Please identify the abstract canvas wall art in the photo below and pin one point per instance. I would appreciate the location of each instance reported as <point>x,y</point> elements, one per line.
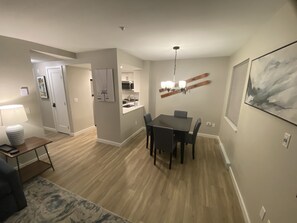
<point>42,87</point>
<point>272,84</point>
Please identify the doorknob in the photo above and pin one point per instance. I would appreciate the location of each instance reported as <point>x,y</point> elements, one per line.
<point>54,104</point>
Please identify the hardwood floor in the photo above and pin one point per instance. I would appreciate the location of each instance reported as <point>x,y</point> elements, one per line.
<point>125,181</point>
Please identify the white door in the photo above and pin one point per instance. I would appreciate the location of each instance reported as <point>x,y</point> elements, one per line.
<point>58,99</point>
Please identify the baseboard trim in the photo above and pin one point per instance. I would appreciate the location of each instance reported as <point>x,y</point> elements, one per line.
<point>108,142</point>
<point>82,131</point>
<point>223,151</point>
<point>117,144</point>
<point>207,135</point>
<point>132,136</point>
<point>241,201</point>
<point>49,129</point>
<point>235,185</point>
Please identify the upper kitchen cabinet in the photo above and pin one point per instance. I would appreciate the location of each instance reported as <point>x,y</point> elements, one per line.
<point>103,85</point>
<point>127,76</point>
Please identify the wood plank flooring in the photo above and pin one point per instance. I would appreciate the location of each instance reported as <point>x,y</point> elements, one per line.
<point>125,181</point>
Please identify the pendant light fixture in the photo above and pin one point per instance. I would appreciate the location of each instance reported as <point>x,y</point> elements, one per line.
<point>171,85</point>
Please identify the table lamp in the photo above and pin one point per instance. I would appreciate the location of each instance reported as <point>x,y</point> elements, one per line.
<point>11,116</point>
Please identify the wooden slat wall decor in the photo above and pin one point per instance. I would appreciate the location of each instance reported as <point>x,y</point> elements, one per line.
<point>198,77</point>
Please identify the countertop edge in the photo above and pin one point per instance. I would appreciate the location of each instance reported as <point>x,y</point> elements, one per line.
<point>127,110</point>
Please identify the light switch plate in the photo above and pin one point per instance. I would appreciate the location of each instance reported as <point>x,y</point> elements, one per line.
<point>286,140</point>
<point>24,91</point>
<point>262,213</point>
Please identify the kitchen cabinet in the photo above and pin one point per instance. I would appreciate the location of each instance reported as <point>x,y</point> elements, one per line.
<point>104,85</point>
<point>127,76</point>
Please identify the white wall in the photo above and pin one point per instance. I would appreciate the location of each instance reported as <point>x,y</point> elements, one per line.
<point>16,72</point>
<point>265,171</point>
<point>145,85</point>
<point>44,103</point>
<point>205,102</point>
<point>111,126</point>
<point>80,97</point>
<point>106,115</point>
<point>131,122</point>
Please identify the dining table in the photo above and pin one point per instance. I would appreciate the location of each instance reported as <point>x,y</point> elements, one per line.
<point>180,126</point>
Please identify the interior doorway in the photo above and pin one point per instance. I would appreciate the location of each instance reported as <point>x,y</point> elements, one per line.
<point>69,107</point>
<point>80,96</point>
<point>58,99</point>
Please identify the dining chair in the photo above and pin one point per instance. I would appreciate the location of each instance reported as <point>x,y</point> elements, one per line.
<point>147,119</point>
<point>191,138</point>
<point>180,114</point>
<point>164,140</point>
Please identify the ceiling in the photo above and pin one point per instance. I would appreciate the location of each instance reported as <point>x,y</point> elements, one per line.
<point>202,28</point>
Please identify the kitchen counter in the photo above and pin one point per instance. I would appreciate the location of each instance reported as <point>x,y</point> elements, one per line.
<point>126,110</point>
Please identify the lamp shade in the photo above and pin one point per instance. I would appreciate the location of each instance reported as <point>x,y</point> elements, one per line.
<point>182,84</point>
<point>170,84</point>
<point>12,115</point>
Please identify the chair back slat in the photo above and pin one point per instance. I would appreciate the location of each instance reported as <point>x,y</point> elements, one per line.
<point>147,119</point>
<point>180,114</point>
<point>196,129</point>
<point>163,138</point>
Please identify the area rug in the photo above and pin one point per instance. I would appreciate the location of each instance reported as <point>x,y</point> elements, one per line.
<point>47,202</point>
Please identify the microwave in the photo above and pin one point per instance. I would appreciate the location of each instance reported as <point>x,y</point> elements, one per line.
<point>127,85</point>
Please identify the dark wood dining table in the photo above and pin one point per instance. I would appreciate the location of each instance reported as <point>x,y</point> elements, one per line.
<point>180,126</point>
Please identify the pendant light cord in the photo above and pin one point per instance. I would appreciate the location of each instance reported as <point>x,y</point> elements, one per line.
<point>174,69</point>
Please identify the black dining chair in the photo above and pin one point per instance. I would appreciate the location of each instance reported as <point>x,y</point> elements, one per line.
<point>147,119</point>
<point>180,114</point>
<point>191,138</point>
<point>164,140</point>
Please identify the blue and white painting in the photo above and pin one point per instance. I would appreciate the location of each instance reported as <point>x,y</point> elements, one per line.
<point>272,85</point>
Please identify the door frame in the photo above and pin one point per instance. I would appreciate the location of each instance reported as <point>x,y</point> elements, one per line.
<point>51,93</point>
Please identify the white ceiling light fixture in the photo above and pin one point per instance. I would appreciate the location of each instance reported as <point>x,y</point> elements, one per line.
<point>171,85</point>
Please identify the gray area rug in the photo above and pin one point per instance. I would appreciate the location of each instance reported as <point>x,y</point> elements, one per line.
<point>47,202</point>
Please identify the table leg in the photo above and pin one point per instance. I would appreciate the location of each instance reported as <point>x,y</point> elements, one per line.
<point>183,139</point>
<point>175,152</point>
<point>19,170</point>
<point>36,154</point>
<point>182,153</point>
<point>49,158</point>
<point>152,142</point>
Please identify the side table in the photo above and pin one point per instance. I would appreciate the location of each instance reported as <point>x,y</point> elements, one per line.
<point>33,169</point>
